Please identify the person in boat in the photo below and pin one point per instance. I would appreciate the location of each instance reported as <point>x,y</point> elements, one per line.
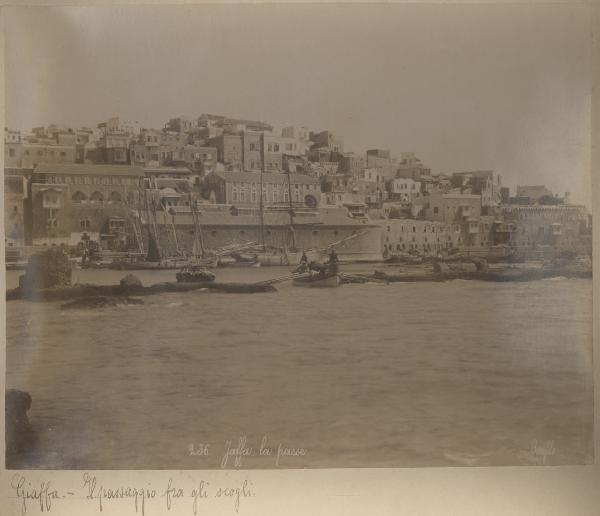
<point>319,268</point>
<point>303,265</point>
<point>333,262</point>
<point>303,258</point>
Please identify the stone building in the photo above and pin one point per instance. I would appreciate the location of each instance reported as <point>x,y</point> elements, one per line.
<point>68,201</point>
<point>424,237</point>
<point>410,166</point>
<point>243,188</point>
<point>252,151</point>
<point>15,192</point>
<point>559,226</point>
<point>229,149</point>
<point>404,189</point>
<point>380,159</point>
<point>352,164</point>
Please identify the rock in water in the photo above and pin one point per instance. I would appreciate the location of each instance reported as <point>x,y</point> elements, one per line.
<point>130,281</point>
<point>17,427</point>
<point>51,268</point>
<point>100,302</point>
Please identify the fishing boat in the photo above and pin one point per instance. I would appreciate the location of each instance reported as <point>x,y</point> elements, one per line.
<point>317,280</point>
<point>194,274</point>
<point>238,260</point>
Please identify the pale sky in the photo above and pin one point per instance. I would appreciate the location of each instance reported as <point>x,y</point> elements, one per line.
<point>503,87</point>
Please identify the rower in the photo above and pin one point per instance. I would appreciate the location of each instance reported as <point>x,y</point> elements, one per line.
<point>333,262</point>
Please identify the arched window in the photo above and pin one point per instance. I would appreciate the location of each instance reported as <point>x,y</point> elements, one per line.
<point>78,197</point>
<point>114,197</point>
<point>96,196</point>
<point>310,201</point>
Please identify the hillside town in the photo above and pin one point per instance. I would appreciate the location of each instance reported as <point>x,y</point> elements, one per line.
<point>111,183</point>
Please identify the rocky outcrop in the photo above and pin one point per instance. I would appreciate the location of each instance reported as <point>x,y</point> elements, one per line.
<point>100,302</point>
<point>19,434</point>
<point>130,281</point>
<point>48,269</point>
<point>84,291</point>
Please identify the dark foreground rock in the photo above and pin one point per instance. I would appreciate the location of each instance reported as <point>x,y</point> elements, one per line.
<point>100,302</point>
<point>130,281</point>
<point>19,434</point>
<point>51,268</point>
<point>82,291</point>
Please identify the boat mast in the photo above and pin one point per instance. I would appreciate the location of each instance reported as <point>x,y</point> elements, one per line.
<point>198,241</point>
<point>291,211</point>
<point>151,209</point>
<point>261,206</point>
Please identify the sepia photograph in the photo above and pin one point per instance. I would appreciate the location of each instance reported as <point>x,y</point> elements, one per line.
<point>298,236</point>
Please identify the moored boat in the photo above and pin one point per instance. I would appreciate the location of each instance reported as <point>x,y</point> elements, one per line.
<point>318,280</point>
<point>194,274</point>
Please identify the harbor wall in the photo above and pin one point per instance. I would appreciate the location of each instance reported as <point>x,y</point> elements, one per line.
<point>365,246</point>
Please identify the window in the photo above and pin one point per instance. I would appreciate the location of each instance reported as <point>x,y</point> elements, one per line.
<point>78,197</point>
<point>63,154</point>
<point>84,223</point>
<point>11,152</point>
<point>435,210</point>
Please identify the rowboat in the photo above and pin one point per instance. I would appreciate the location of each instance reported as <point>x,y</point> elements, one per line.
<point>194,274</point>
<point>317,280</point>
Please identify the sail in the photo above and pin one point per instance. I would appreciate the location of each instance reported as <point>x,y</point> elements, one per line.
<point>153,251</point>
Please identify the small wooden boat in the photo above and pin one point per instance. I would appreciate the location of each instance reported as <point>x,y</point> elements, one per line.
<point>229,261</point>
<point>194,274</point>
<point>317,280</point>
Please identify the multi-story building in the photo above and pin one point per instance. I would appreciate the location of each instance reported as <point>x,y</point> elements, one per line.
<point>233,125</point>
<point>480,182</point>
<point>15,193</point>
<point>25,152</point>
<point>243,188</point>
<point>410,166</point>
<point>298,133</point>
<point>229,149</point>
<point>181,124</point>
<point>461,211</point>
<point>422,236</point>
<point>327,140</point>
<point>532,194</point>
<point>68,201</point>
<point>404,189</point>
<point>202,160</point>
<point>279,148</point>
<point>252,151</point>
<point>559,226</point>
<point>112,145</point>
<point>352,164</point>
<point>380,159</point>
<point>116,125</point>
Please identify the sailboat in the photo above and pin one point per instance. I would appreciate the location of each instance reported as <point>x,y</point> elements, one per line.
<point>196,272</point>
